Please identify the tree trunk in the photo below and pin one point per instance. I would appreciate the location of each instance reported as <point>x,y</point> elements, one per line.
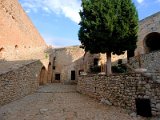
<point>108,63</point>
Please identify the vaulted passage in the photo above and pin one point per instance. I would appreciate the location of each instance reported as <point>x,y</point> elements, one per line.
<point>152,42</point>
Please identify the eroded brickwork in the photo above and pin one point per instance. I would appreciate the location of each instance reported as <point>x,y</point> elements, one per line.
<point>17,33</point>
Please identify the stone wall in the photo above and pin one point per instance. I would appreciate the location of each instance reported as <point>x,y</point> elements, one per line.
<point>17,33</point>
<point>19,82</point>
<point>121,90</point>
<point>74,58</point>
<point>150,61</point>
<point>66,60</point>
<point>146,26</point>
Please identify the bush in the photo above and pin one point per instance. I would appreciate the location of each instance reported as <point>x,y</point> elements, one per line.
<point>120,68</point>
<point>95,69</point>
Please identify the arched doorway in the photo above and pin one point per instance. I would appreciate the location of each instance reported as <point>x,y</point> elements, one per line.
<point>152,42</point>
<point>1,52</point>
<point>42,76</point>
<point>49,73</point>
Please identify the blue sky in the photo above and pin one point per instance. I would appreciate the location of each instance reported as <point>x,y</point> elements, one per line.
<point>57,20</point>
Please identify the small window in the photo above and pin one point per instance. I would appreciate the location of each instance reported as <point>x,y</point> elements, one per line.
<point>96,61</point>
<point>57,76</point>
<point>73,75</point>
<point>54,67</point>
<point>1,49</point>
<point>16,46</point>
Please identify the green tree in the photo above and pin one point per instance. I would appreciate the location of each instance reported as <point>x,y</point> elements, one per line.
<point>108,26</point>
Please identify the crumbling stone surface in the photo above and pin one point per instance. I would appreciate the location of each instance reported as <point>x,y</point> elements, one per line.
<point>150,61</point>
<point>19,82</point>
<point>146,26</point>
<point>18,35</point>
<point>121,90</point>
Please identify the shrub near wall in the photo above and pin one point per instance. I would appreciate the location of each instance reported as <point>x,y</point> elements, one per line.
<point>19,82</point>
<point>121,90</point>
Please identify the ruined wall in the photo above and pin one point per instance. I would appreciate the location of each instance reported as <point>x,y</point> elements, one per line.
<point>150,61</point>
<point>19,78</point>
<point>19,82</point>
<point>75,59</point>
<point>148,25</point>
<point>66,60</point>
<point>17,33</point>
<point>122,90</point>
<point>25,61</point>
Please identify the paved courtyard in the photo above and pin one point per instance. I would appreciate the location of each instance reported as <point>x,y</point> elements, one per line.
<point>61,102</point>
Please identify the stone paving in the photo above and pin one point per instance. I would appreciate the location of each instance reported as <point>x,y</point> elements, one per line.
<point>61,102</point>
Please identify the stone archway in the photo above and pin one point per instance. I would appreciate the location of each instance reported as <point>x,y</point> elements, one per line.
<point>49,73</point>
<point>152,42</point>
<point>42,76</point>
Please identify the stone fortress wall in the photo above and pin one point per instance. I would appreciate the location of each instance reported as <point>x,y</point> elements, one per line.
<point>18,36</point>
<point>148,45</point>
<point>149,30</point>
<point>24,56</point>
<point>26,63</point>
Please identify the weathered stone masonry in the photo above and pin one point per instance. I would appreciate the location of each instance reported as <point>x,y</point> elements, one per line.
<point>18,36</point>
<point>150,61</point>
<point>148,26</point>
<point>19,82</point>
<point>122,90</point>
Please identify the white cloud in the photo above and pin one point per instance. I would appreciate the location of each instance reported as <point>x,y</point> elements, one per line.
<point>59,41</point>
<point>140,1</point>
<point>68,8</point>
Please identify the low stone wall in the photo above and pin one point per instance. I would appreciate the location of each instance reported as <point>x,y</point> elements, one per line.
<point>150,61</point>
<point>121,90</point>
<point>19,82</point>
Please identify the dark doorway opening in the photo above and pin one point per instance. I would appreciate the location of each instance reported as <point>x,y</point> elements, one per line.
<point>73,75</point>
<point>42,76</point>
<point>57,77</point>
<point>130,53</point>
<point>143,107</point>
<point>49,73</point>
<point>96,61</point>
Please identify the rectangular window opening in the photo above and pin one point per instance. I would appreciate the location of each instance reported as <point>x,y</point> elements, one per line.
<point>57,76</point>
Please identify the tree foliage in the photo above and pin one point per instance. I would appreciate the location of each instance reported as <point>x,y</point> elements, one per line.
<point>108,26</point>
